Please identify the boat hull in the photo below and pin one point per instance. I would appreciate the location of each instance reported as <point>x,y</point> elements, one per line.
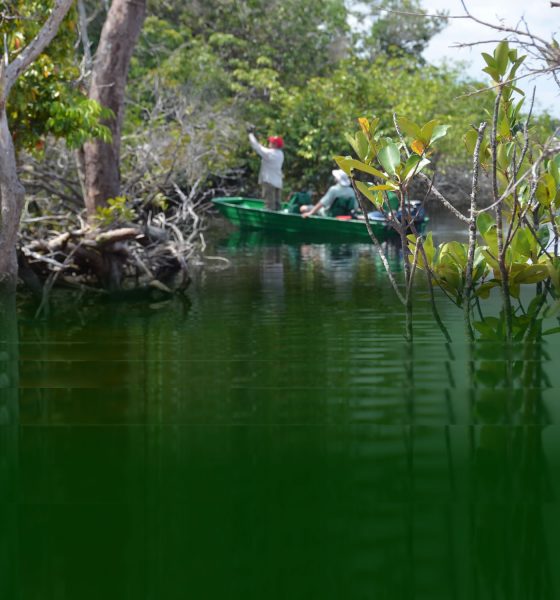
<point>249,213</point>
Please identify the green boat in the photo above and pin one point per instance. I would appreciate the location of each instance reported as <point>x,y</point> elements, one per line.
<point>250,213</point>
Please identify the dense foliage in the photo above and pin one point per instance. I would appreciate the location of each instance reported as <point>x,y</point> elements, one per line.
<point>290,68</point>
<point>204,72</point>
<point>513,243</point>
<point>48,99</point>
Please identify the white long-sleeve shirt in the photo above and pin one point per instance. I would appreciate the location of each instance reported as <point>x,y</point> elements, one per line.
<point>271,163</point>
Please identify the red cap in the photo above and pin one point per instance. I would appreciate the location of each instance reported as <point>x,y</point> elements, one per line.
<point>276,141</point>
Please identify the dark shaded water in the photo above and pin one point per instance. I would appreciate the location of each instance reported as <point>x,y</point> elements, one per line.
<point>275,437</point>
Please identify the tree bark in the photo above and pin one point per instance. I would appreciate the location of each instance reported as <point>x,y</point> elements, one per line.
<point>12,196</point>
<point>12,193</point>
<point>110,69</point>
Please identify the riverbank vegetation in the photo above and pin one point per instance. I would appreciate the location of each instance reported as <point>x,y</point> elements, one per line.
<point>121,146</point>
<point>512,243</point>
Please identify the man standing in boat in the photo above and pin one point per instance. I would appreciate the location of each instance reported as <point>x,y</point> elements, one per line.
<point>270,174</point>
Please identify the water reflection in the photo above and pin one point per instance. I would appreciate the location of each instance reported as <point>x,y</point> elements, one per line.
<point>279,439</point>
<point>9,444</point>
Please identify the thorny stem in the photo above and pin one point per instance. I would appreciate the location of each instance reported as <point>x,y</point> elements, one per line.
<point>412,270</point>
<point>513,222</point>
<point>402,234</point>
<point>429,275</point>
<point>472,224</point>
<point>554,229</point>
<point>442,199</point>
<point>499,221</point>
<point>526,135</point>
<point>473,211</point>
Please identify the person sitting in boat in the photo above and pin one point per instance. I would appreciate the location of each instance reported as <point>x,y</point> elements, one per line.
<point>299,199</point>
<point>340,199</point>
<point>270,174</point>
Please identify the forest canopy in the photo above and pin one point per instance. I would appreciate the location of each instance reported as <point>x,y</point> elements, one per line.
<point>306,70</point>
<point>196,77</point>
<point>203,71</point>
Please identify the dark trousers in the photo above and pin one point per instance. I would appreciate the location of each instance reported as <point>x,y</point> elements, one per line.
<point>272,196</point>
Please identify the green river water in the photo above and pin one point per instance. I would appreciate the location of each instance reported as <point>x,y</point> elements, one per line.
<point>275,436</point>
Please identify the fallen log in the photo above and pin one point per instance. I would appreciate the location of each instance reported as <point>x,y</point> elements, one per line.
<point>118,235</point>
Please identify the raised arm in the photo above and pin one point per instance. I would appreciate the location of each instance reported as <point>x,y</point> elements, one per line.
<point>260,150</point>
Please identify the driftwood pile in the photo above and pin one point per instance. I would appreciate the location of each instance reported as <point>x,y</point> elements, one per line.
<point>147,257</point>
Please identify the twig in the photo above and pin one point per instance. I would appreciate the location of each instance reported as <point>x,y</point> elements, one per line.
<point>433,190</point>
<point>377,244</point>
<point>52,280</point>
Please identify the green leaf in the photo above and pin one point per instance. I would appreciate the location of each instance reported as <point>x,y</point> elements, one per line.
<point>492,72</point>
<point>489,60</point>
<point>427,130</point>
<point>362,144</point>
<point>365,190</point>
<point>546,190</point>
<point>414,165</point>
<point>553,310</point>
<point>411,162</point>
<point>503,152</point>
<point>353,142</point>
<point>390,158</point>
<point>438,132</point>
<point>408,127</point>
<point>514,289</point>
<point>347,164</point>
<point>480,267</point>
<point>457,252</point>
<point>504,128</point>
<point>385,187</point>
<point>483,290</point>
<point>484,222</point>
<point>530,274</point>
<point>488,327</point>
<point>516,65</point>
<point>449,278</point>
<point>491,259</point>
<point>470,138</point>
<point>523,244</point>
<point>515,110</point>
<point>554,171</point>
<point>429,248</point>
<point>501,56</point>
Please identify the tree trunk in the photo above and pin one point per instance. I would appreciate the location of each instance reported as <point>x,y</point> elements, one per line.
<point>12,193</point>
<point>11,198</point>
<point>112,59</point>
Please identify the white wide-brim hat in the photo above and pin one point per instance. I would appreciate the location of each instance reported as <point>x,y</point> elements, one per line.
<point>341,177</point>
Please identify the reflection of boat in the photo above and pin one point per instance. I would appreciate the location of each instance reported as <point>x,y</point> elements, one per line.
<point>250,213</point>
